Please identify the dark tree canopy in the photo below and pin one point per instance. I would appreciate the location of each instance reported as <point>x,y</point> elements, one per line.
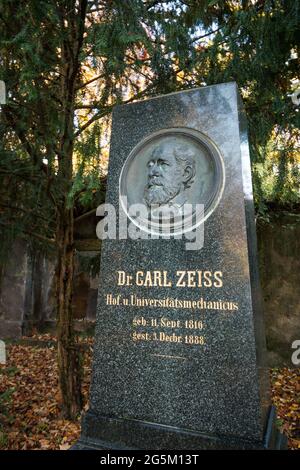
<point>132,49</point>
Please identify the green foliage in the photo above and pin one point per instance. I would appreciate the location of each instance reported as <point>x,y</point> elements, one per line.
<point>3,439</point>
<point>132,49</point>
<point>256,44</point>
<point>5,400</point>
<point>10,371</point>
<point>89,264</point>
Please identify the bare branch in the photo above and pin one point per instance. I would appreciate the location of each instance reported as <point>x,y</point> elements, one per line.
<point>207,34</point>
<point>97,116</point>
<point>89,81</point>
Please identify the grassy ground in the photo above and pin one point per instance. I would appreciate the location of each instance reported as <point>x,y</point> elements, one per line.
<point>30,401</point>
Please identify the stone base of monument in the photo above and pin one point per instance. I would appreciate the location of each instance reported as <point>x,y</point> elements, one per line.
<point>104,433</point>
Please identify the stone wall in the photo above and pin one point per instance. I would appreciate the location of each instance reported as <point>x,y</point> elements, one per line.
<point>26,292</point>
<point>13,292</point>
<point>279,259</point>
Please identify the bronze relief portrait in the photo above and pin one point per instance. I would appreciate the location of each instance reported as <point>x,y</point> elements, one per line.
<point>168,172</point>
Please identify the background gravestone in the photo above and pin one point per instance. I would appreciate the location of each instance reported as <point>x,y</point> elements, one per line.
<point>180,365</point>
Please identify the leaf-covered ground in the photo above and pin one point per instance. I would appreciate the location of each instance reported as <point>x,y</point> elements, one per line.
<point>30,415</point>
<point>30,400</point>
<point>285,388</point>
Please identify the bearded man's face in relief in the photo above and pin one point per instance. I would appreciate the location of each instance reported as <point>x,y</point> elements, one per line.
<point>165,177</point>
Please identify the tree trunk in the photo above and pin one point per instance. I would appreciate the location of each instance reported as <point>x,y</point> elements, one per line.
<point>69,364</point>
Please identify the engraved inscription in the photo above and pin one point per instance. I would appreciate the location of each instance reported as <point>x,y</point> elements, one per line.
<point>185,330</point>
<point>156,335</point>
<point>159,278</point>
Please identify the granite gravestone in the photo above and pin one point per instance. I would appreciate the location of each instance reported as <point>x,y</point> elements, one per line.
<point>179,347</point>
